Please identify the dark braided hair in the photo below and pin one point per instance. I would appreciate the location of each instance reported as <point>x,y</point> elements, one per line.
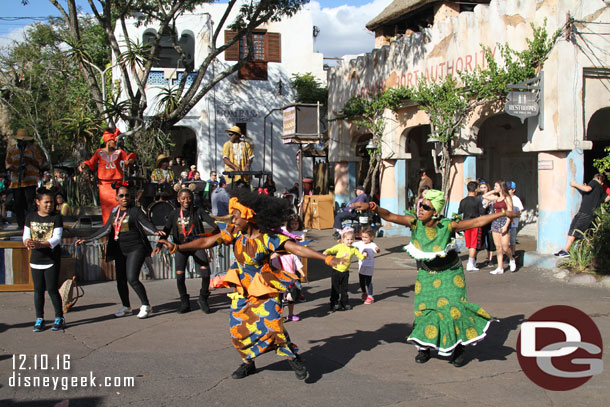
<point>271,212</point>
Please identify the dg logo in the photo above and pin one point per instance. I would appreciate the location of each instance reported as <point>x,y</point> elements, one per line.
<point>560,348</point>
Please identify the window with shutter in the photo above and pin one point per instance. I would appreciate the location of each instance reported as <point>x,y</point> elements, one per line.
<point>267,48</point>
<point>231,53</point>
<point>274,47</point>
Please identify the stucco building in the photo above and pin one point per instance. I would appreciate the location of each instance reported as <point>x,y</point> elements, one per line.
<point>282,48</point>
<point>440,38</point>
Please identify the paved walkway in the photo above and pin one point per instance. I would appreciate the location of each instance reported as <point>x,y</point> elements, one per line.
<point>355,358</point>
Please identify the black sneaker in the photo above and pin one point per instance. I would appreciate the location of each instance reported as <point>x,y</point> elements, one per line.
<point>299,368</point>
<point>334,307</point>
<point>458,358</point>
<point>422,356</point>
<point>562,254</point>
<point>245,369</point>
<point>346,307</point>
<point>59,323</point>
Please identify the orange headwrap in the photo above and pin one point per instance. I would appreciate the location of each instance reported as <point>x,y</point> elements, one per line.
<point>246,213</point>
<point>111,136</point>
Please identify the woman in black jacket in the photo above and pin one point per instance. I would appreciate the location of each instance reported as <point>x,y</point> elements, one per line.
<point>185,224</point>
<point>128,246</point>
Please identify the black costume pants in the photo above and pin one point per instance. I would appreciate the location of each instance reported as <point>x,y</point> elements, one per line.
<point>201,260</point>
<point>127,266</point>
<point>47,279</point>
<point>24,203</point>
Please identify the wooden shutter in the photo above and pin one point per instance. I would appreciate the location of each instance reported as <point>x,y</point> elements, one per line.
<point>231,53</point>
<point>254,71</point>
<point>274,47</point>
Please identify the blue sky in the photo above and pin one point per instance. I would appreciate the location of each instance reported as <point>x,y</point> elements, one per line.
<point>341,22</point>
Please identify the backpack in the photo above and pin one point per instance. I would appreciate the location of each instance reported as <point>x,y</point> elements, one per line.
<point>70,292</point>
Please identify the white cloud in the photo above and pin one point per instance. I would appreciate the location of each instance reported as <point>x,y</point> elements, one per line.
<point>12,36</point>
<point>342,28</point>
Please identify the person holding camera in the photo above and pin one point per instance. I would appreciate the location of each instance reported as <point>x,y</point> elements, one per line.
<point>23,161</point>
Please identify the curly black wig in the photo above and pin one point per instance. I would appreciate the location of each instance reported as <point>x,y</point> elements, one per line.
<point>270,212</point>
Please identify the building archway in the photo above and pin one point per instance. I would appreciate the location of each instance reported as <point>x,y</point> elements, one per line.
<point>599,133</point>
<point>420,149</point>
<point>501,137</point>
<point>185,144</point>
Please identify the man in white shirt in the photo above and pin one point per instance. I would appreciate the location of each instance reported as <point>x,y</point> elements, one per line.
<point>517,208</point>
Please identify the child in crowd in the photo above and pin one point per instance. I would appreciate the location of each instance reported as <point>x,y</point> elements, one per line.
<point>42,236</point>
<point>291,263</point>
<point>366,266</point>
<point>294,227</point>
<point>340,273</point>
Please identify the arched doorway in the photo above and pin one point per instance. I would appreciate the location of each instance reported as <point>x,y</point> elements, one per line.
<point>502,137</point>
<point>599,133</point>
<point>185,144</point>
<point>420,149</point>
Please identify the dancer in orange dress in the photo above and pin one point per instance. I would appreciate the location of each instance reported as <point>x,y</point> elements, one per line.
<point>108,160</point>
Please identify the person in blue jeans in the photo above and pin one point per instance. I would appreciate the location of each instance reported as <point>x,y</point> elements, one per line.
<point>348,212</point>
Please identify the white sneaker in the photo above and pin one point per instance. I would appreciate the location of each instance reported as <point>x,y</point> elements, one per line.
<point>145,311</point>
<point>497,271</point>
<point>513,265</point>
<point>471,267</point>
<point>123,312</point>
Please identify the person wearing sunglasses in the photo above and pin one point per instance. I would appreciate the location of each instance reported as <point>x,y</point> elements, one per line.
<point>444,320</point>
<point>128,246</point>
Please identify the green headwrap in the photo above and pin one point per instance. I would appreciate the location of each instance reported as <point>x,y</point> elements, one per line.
<point>436,198</point>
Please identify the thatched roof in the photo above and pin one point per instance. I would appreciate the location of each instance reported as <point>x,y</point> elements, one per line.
<point>396,9</point>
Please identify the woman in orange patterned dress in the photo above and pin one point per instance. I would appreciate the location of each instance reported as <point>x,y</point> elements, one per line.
<point>256,324</point>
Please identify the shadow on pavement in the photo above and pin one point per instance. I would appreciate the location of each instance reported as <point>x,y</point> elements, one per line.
<point>75,402</point>
<point>494,347</point>
<point>335,352</point>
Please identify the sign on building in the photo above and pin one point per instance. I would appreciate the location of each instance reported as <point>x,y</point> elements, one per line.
<point>522,105</point>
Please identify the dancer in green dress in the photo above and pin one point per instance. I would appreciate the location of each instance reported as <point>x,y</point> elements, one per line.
<point>444,319</point>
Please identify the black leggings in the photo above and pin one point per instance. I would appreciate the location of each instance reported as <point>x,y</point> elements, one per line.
<point>127,267</point>
<point>366,284</point>
<point>201,260</point>
<point>47,279</point>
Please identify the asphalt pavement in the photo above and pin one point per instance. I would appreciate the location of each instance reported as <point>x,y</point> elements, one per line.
<point>355,358</point>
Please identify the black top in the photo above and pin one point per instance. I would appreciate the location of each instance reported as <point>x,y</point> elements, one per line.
<point>193,225</point>
<point>41,229</point>
<point>592,199</point>
<point>471,207</point>
<point>134,228</point>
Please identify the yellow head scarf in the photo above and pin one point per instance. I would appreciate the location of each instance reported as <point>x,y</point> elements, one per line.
<point>246,213</point>
<point>436,198</point>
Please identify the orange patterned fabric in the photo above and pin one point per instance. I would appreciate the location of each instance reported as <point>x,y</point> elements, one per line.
<point>246,213</point>
<point>256,323</point>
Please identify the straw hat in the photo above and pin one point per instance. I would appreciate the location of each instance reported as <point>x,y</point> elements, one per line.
<point>22,134</point>
<point>234,129</point>
<point>161,157</point>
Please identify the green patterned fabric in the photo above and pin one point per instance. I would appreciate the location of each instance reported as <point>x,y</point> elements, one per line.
<point>443,316</point>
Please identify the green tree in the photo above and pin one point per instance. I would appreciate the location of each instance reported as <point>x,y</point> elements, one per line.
<point>42,90</point>
<point>309,89</point>
<point>135,61</point>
